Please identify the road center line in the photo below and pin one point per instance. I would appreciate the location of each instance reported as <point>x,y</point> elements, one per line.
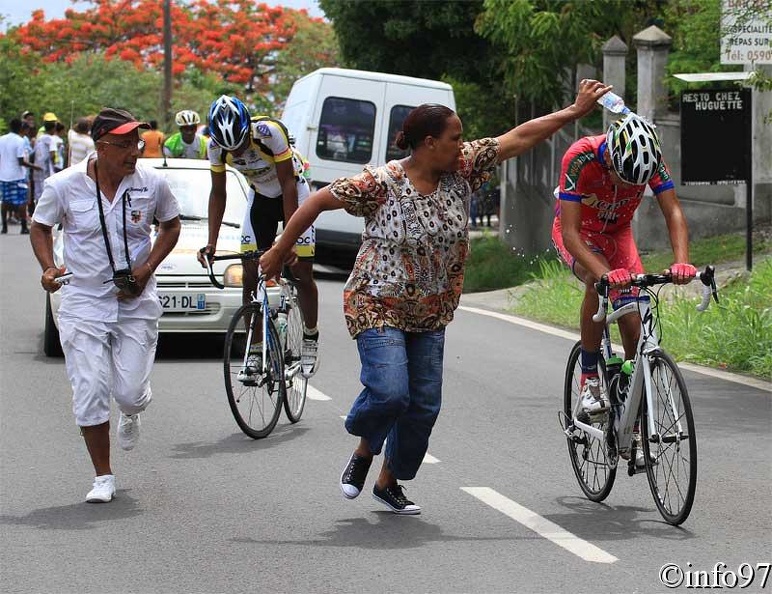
<point>314,394</point>
<point>542,526</point>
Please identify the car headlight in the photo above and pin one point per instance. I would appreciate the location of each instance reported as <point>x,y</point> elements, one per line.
<point>233,276</point>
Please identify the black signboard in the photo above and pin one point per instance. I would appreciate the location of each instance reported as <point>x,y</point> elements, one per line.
<point>716,136</point>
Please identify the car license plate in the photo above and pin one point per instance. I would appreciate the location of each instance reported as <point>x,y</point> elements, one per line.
<point>176,302</point>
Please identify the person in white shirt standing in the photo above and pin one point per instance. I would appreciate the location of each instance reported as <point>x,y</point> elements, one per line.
<point>81,144</point>
<point>13,177</point>
<point>108,319</point>
<point>45,155</point>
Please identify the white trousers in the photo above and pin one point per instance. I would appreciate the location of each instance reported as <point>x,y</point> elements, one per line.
<point>107,360</point>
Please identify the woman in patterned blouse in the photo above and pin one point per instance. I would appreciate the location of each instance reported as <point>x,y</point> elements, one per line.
<point>408,275</point>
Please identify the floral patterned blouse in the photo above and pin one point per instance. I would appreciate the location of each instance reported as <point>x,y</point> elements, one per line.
<point>409,271</point>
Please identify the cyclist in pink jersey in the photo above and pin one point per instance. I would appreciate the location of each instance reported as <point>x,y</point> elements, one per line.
<point>602,183</point>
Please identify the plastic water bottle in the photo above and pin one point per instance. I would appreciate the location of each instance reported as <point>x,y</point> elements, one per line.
<point>281,326</point>
<point>614,103</point>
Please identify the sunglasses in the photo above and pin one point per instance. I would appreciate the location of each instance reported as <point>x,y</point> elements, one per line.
<point>124,145</point>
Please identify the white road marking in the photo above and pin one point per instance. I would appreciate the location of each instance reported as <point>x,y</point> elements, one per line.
<point>542,526</point>
<point>717,373</point>
<point>314,394</point>
<point>429,459</point>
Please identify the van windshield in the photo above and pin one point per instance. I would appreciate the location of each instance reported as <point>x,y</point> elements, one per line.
<point>346,130</point>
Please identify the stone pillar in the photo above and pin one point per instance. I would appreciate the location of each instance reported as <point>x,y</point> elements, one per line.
<point>614,53</point>
<point>652,45</point>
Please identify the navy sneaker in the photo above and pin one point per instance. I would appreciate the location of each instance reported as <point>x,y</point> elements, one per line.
<point>353,478</point>
<point>393,498</point>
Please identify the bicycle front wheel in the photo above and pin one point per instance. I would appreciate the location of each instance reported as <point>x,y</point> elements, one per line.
<point>297,384</point>
<point>670,451</point>
<point>589,456</point>
<point>255,391</point>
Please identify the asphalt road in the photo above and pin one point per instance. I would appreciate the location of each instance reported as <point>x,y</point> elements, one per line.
<point>202,508</point>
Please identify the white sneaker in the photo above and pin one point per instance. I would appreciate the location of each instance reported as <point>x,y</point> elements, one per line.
<point>249,371</point>
<point>593,399</point>
<point>103,491</point>
<point>128,431</point>
<point>309,354</point>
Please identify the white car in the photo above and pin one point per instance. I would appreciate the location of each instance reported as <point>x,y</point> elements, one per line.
<point>190,302</point>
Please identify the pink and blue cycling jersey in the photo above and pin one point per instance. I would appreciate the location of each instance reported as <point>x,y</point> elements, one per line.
<point>584,178</point>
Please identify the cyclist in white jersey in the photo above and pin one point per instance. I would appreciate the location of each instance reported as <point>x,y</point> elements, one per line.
<point>259,148</point>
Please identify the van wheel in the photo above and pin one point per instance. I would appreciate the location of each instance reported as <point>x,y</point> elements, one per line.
<point>52,347</point>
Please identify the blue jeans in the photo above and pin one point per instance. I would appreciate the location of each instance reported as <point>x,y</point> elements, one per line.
<point>402,378</point>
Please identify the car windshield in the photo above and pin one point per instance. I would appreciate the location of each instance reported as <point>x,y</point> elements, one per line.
<point>191,188</point>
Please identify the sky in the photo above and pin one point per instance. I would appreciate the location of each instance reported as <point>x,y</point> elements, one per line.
<point>19,11</point>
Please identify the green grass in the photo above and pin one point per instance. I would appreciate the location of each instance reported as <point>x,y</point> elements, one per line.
<point>735,334</point>
<point>721,248</point>
<point>492,265</point>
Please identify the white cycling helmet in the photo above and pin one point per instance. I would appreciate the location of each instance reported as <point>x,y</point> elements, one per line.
<point>634,149</point>
<point>187,117</point>
<point>228,122</point>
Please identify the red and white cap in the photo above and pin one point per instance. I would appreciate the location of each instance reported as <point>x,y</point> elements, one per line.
<point>115,121</point>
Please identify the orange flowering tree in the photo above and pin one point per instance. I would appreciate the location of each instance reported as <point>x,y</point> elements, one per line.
<point>238,40</point>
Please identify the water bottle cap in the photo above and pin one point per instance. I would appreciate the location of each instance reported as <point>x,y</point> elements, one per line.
<point>614,360</point>
<point>627,367</point>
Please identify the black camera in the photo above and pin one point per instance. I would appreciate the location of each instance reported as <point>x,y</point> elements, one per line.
<point>124,280</point>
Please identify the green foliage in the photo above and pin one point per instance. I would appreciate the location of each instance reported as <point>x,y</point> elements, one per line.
<point>553,296</point>
<point>710,250</point>
<point>734,334</point>
<point>492,264</point>
<point>313,46</point>
<point>434,40</point>
<point>694,27</point>
<point>541,41</point>
<point>15,69</point>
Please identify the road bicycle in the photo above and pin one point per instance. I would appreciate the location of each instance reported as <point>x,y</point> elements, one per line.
<point>258,384</point>
<point>650,421</point>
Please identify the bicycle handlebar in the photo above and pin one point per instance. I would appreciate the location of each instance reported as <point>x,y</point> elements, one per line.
<point>707,278</point>
<point>253,255</point>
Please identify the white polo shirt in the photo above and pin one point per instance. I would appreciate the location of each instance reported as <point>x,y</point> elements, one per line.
<point>11,150</point>
<point>69,198</point>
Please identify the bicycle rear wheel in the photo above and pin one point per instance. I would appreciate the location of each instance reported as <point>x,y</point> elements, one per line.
<point>671,451</point>
<point>589,457</point>
<point>297,384</point>
<point>255,401</point>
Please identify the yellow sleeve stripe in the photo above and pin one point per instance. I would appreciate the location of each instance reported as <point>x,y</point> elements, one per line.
<point>283,156</point>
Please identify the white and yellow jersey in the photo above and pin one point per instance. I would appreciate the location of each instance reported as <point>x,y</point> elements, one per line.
<point>268,145</point>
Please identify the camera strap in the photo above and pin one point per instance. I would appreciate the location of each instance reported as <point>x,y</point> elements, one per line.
<point>104,226</point>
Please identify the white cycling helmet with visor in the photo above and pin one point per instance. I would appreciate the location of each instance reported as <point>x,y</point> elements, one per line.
<point>634,149</point>
<point>187,117</point>
<point>228,122</point>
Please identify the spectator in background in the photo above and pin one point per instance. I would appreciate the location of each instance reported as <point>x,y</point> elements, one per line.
<point>28,133</point>
<point>13,177</point>
<point>81,144</point>
<point>45,154</point>
<point>59,147</point>
<point>154,141</point>
<point>28,117</point>
<point>187,143</point>
<point>47,117</point>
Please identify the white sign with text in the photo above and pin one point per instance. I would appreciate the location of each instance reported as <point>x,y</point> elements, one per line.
<point>746,31</point>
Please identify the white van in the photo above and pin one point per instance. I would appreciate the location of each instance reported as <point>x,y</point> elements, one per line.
<point>344,119</point>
